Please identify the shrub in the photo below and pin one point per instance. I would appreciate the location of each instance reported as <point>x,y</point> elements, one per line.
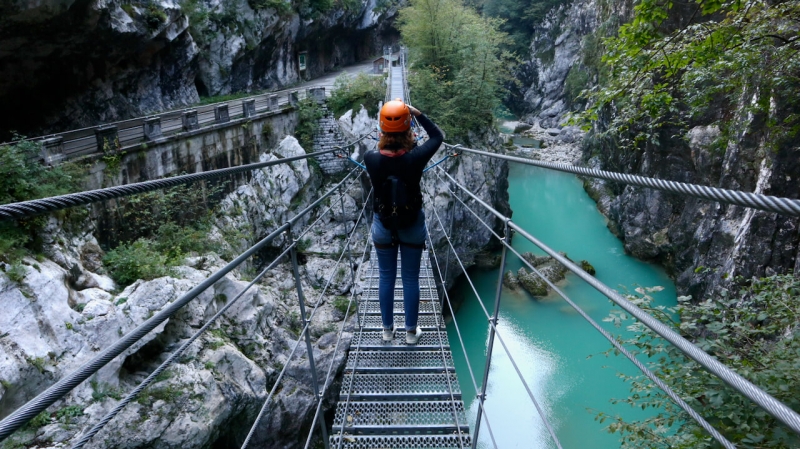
<point>154,17</point>
<point>138,260</point>
<point>753,332</point>
<point>308,114</point>
<point>22,178</point>
<point>352,92</point>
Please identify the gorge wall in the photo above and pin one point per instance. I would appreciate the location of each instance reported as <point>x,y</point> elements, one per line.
<point>66,64</point>
<point>703,245</point>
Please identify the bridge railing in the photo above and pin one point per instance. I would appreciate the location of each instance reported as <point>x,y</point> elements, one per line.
<point>133,134</point>
<point>786,206</point>
<point>63,386</point>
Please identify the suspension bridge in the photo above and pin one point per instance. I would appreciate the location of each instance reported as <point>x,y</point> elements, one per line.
<point>392,394</point>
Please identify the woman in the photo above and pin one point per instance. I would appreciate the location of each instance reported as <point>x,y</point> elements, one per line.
<point>396,171</point>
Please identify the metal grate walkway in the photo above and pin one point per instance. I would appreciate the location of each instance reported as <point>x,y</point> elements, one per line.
<point>397,87</point>
<point>395,395</point>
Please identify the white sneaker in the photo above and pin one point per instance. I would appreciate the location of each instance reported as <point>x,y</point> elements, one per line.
<point>413,337</point>
<point>388,334</point>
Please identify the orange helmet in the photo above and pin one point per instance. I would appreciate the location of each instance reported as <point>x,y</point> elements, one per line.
<point>395,117</point>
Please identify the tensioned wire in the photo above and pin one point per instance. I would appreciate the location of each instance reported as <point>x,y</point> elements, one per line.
<point>461,340</point>
<point>58,390</point>
<point>303,331</point>
<point>35,207</point>
<point>773,406</point>
<point>341,331</point>
<point>499,337</point>
<point>109,416</point>
<point>341,435</point>
<point>650,375</point>
<point>444,363</point>
<point>125,401</point>
<point>768,203</point>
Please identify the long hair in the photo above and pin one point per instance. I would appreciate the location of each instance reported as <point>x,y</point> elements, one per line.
<point>397,141</point>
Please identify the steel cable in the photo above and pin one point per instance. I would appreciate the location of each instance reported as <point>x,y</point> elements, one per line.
<point>299,340</point>
<point>125,401</point>
<point>773,406</point>
<point>55,392</point>
<point>500,338</point>
<point>341,436</point>
<point>650,375</point>
<point>35,207</point>
<point>174,356</point>
<point>341,331</point>
<point>768,203</point>
<point>461,341</point>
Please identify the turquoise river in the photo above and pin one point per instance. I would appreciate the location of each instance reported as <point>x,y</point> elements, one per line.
<point>559,353</point>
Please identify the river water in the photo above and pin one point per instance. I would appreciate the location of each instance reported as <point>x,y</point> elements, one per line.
<point>559,354</point>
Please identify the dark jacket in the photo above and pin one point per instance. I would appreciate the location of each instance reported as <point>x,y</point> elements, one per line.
<point>407,167</point>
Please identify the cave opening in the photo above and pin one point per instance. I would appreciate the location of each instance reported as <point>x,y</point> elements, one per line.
<point>202,90</point>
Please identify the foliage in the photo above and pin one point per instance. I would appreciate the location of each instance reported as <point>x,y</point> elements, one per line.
<point>198,15</point>
<point>308,114</point>
<point>341,303</point>
<point>154,17</point>
<point>680,64</point>
<point>458,64</point>
<point>22,178</point>
<point>754,332</point>
<point>280,6</point>
<point>65,414</point>
<point>352,92</point>
<point>137,260</point>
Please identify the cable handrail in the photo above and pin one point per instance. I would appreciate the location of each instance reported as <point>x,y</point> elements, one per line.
<point>773,406</point>
<point>647,372</point>
<point>499,337</point>
<point>325,385</point>
<point>165,365</point>
<point>32,408</point>
<point>29,208</point>
<point>481,399</point>
<point>767,203</point>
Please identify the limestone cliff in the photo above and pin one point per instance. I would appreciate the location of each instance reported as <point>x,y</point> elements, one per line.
<point>543,96</point>
<point>65,64</point>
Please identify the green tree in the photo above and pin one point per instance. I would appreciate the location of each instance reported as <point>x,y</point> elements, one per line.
<point>680,64</point>
<point>754,332</point>
<point>457,63</point>
<point>352,92</point>
<point>23,177</point>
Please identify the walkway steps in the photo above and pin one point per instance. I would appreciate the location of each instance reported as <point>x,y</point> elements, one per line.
<point>395,395</point>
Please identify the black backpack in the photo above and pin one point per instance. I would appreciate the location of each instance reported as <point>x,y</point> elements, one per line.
<point>396,209</point>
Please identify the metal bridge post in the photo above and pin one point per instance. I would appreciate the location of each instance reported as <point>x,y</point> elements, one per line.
<point>309,349</point>
<point>482,395</point>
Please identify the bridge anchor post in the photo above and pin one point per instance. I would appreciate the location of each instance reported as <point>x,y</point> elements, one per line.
<point>309,348</point>
<point>493,321</point>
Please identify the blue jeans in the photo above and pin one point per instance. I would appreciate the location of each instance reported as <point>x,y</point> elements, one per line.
<point>410,259</point>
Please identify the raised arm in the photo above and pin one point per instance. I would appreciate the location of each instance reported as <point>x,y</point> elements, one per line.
<point>435,136</point>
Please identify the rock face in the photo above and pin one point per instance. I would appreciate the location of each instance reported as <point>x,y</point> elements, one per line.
<point>703,244</point>
<point>556,50</point>
<point>65,64</point>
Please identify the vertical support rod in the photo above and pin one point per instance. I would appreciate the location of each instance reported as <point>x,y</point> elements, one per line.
<point>482,395</point>
<point>349,253</point>
<point>301,298</point>
<point>452,248</point>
